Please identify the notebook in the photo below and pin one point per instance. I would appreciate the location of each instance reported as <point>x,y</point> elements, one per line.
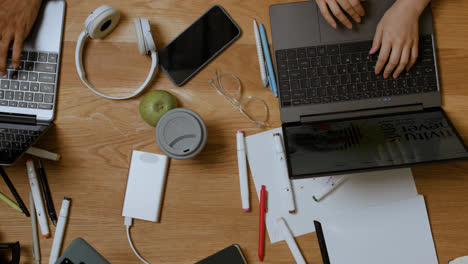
<point>397,232</point>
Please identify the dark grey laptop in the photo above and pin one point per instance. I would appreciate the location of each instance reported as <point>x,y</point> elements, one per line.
<point>28,93</point>
<point>338,116</point>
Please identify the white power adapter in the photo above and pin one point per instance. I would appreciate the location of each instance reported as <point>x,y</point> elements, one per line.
<point>145,188</point>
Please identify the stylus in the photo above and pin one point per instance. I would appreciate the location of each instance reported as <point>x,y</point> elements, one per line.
<point>261,59</point>
<point>62,220</point>
<point>290,241</point>
<point>243,178</point>
<point>47,195</point>
<point>285,182</point>
<point>329,188</point>
<point>37,197</point>
<point>269,64</point>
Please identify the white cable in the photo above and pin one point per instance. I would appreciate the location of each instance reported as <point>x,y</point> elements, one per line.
<point>128,224</point>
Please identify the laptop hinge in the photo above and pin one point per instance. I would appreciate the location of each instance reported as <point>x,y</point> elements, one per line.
<point>17,119</point>
<point>360,113</point>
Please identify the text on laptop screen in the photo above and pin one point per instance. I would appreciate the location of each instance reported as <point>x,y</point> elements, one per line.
<point>371,143</point>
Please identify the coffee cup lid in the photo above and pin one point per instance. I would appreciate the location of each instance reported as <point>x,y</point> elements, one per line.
<point>181,133</point>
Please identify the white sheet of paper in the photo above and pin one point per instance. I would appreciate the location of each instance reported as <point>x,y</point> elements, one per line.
<point>397,232</point>
<point>359,191</point>
<point>462,260</point>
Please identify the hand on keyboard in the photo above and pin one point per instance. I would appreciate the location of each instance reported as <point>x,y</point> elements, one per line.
<point>397,37</point>
<point>16,20</point>
<point>352,7</point>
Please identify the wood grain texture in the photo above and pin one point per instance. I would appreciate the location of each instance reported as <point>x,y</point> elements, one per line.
<point>202,208</point>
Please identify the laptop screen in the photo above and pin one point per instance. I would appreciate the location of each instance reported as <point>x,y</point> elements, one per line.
<point>380,142</point>
<point>15,139</point>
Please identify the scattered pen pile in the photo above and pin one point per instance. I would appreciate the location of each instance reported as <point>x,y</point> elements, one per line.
<point>286,190</point>
<point>36,205</point>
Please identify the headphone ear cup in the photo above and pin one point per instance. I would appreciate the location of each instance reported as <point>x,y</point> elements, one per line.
<point>140,36</point>
<point>149,41</point>
<point>102,21</point>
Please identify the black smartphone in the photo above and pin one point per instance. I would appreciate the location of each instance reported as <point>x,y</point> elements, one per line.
<point>230,255</point>
<point>80,252</point>
<point>201,42</point>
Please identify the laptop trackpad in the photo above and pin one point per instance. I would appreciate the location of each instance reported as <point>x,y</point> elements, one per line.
<point>294,25</point>
<point>363,31</point>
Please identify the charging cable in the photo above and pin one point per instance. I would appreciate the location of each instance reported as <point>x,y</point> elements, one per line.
<point>128,224</point>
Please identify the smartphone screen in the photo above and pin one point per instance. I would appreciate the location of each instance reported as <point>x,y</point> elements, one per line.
<point>198,44</point>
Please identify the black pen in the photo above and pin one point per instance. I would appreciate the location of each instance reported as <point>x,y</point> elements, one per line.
<point>14,192</point>
<point>47,196</point>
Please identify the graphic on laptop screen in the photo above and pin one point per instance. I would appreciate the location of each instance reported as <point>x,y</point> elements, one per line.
<point>369,143</point>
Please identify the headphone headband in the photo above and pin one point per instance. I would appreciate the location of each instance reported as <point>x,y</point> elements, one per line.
<point>98,25</point>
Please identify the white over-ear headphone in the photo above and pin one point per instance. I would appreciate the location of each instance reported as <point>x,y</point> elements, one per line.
<point>98,25</point>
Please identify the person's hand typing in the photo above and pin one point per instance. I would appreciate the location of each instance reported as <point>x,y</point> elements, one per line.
<point>397,37</point>
<point>16,20</point>
<point>352,7</point>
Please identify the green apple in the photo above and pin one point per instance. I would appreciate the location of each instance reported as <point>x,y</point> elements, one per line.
<point>155,104</point>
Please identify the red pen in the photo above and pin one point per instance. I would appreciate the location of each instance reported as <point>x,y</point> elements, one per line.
<point>261,234</point>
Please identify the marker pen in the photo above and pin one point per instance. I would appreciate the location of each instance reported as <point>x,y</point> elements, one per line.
<point>243,176</point>
<point>37,197</point>
<point>329,188</point>
<point>288,237</point>
<point>285,182</point>
<point>59,231</point>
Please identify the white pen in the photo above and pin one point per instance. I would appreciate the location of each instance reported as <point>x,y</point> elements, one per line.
<point>285,182</point>
<point>261,59</point>
<point>37,197</point>
<point>35,250</point>
<point>59,231</point>
<point>243,178</point>
<point>330,188</point>
<point>290,241</point>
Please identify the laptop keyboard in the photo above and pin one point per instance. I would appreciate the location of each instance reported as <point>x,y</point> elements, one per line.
<point>32,84</point>
<point>15,141</point>
<point>345,72</point>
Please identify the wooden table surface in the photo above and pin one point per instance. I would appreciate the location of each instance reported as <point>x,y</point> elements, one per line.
<point>202,208</point>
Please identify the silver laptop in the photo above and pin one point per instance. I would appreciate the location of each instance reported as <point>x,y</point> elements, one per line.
<point>338,116</point>
<point>28,94</point>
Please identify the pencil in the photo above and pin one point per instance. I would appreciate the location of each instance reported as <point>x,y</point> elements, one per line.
<point>14,192</point>
<point>35,250</point>
<point>10,203</point>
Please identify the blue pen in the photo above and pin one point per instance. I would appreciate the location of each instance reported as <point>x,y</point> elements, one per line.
<point>266,50</point>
